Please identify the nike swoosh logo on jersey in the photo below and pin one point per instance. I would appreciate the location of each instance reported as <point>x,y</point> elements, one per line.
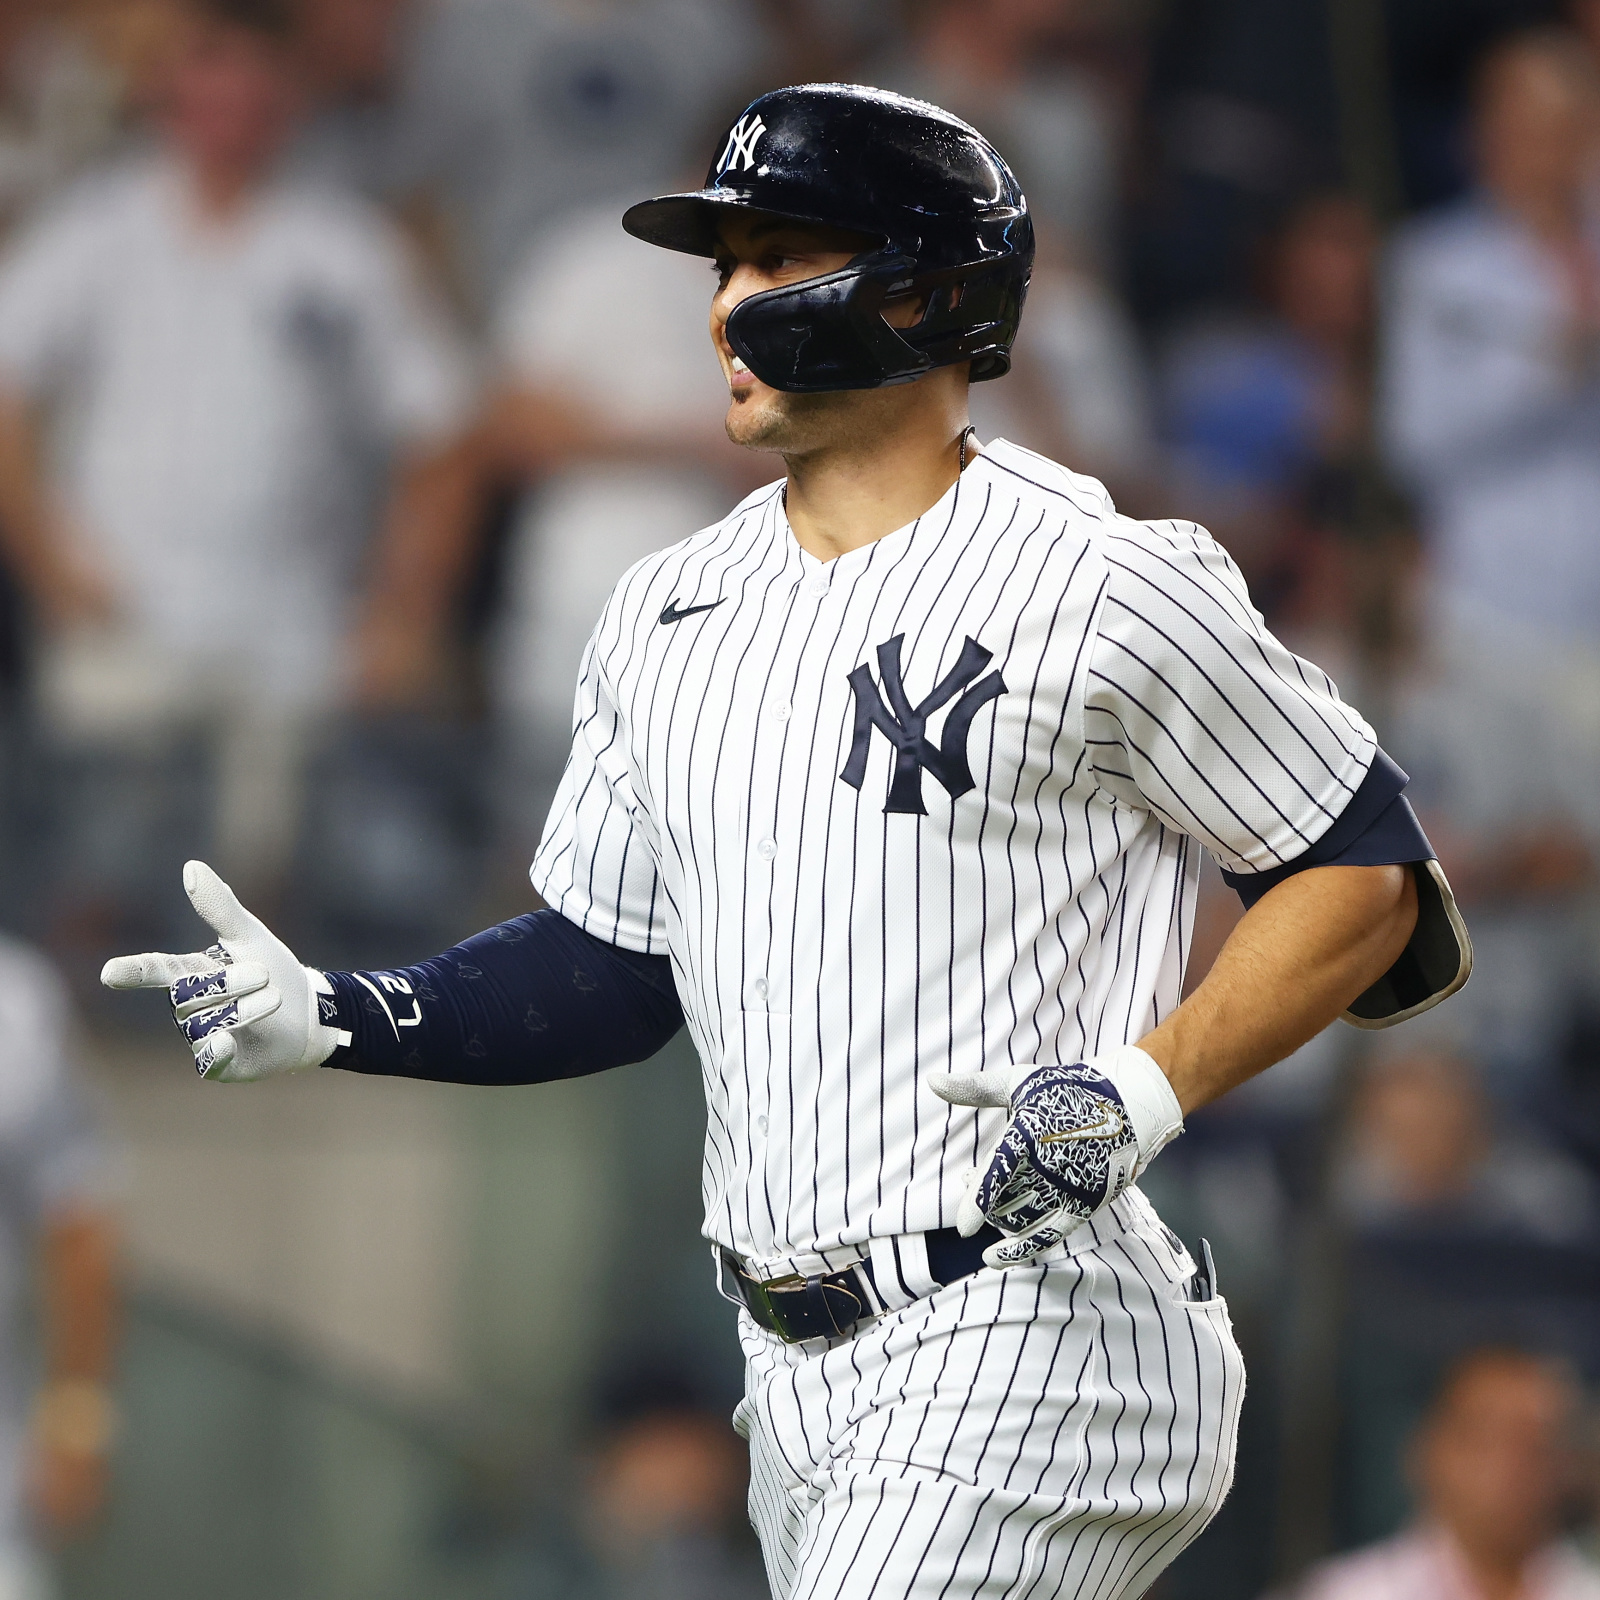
<point>1108,1127</point>
<point>673,614</point>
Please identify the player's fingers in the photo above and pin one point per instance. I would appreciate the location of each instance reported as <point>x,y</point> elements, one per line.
<point>1008,1183</point>
<point>216,903</point>
<point>153,970</point>
<point>973,1088</point>
<point>1017,1252</point>
<point>190,995</point>
<point>989,1191</point>
<point>235,1014</point>
<point>213,1055</point>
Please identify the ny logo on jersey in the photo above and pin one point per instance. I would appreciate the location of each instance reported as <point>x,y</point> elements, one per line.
<point>741,145</point>
<point>904,724</point>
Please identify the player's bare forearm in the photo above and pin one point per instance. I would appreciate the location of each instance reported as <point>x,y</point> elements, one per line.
<point>1297,959</point>
<point>423,553</point>
<point>526,433</point>
<point>21,512</point>
<point>74,1420</point>
<point>31,529</point>
<point>78,1294</point>
<point>428,527</point>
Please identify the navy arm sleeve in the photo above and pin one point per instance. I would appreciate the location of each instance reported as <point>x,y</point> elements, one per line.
<point>1379,829</point>
<point>530,1001</point>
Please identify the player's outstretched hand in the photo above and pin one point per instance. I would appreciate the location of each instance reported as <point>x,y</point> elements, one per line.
<point>1078,1136</point>
<point>246,1005</point>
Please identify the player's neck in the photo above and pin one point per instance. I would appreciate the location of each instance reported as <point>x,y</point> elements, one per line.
<point>852,494</point>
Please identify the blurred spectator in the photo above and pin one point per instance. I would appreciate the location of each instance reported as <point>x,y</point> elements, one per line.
<point>1076,391</point>
<point>1503,786</point>
<point>353,52</point>
<point>1460,1226</point>
<point>1268,417</point>
<point>53,1213</point>
<point>825,41</point>
<point>991,62</point>
<point>1433,54</point>
<point>612,410</point>
<point>1584,15</point>
<point>609,415</point>
<point>60,100</point>
<point>518,110</point>
<point>1494,1472</point>
<point>60,104</point>
<point>1493,391</point>
<point>665,1513</point>
<point>1426,1149</point>
<point>356,57</point>
<point>223,366</point>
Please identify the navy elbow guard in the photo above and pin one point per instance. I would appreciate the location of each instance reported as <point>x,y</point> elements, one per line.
<point>1378,829</point>
<point>530,1001</point>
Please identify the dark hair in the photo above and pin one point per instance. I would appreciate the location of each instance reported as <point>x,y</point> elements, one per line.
<point>1560,46</point>
<point>647,1389</point>
<point>1504,1357</point>
<point>271,20</point>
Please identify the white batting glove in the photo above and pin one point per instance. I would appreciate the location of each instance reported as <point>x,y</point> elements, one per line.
<point>1078,1136</point>
<point>246,1005</point>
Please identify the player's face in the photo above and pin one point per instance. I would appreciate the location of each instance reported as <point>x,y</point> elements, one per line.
<point>755,254</point>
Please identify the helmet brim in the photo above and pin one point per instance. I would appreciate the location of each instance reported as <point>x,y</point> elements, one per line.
<point>689,222</point>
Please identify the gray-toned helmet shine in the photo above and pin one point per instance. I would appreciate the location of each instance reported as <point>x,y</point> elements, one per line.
<point>950,221</point>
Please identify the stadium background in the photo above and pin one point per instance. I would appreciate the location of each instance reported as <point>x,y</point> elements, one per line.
<point>380,1339</point>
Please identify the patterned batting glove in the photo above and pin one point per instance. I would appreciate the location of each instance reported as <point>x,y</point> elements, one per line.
<point>1078,1136</point>
<point>246,1006</point>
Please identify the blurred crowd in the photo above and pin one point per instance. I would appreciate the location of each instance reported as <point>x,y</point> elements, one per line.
<point>333,400</point>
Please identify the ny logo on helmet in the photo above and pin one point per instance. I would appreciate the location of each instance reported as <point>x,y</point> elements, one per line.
<point>904,725</point>
<point>741,145</point>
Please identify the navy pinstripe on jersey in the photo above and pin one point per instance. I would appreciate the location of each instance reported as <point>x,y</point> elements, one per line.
<point>833,945</point>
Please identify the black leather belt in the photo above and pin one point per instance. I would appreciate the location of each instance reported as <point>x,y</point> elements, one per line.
<point>799,1308</point>
<point>825,1307</point>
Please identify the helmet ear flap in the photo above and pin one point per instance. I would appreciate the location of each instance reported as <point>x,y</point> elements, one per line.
<point>972,315</point>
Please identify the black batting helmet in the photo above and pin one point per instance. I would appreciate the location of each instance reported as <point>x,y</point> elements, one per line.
<point>949,221</point>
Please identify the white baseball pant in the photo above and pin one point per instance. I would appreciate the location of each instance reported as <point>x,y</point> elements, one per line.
<point>1059,1429</point>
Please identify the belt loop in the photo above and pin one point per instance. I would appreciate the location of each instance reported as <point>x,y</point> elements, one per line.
<point>891,1288</point>
<point>866,1279</point>
<point>915,1273</point>
<point>727,1274</point>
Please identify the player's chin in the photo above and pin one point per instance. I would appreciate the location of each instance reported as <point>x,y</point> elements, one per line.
<point>759,419</point>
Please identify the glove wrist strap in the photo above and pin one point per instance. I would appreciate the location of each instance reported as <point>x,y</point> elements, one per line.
<point>328,1035</point>
<point>1152,1107</point>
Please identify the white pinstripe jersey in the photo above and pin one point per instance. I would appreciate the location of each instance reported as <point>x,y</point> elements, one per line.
<point>1113,698</point>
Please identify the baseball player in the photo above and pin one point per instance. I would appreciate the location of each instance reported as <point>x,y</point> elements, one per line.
<point>892,787</point>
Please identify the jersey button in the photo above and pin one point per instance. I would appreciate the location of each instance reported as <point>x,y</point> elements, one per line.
<point>761,1124</point>
<point>767,849</point>
<point>781,710</point>
<point>759,989</point>
<point>817,587</point>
